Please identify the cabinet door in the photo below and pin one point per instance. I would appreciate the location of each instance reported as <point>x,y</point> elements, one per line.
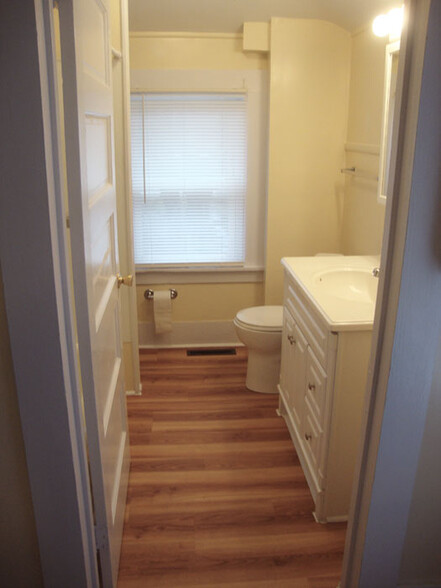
<point>298,384</point>
<point>287,356</point>
<point>312,437</point>
<point>316,380</point>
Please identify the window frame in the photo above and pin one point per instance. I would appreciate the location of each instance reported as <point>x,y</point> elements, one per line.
<point>255,83</point>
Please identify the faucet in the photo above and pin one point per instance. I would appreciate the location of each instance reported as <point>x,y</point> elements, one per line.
<point>376,272</point>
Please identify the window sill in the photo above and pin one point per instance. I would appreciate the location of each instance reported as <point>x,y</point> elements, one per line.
<point>146,276</point>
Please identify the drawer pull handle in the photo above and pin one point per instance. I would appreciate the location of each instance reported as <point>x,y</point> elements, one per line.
<point>308,436</point>
<point>291,339</point>
<point>311,387</point>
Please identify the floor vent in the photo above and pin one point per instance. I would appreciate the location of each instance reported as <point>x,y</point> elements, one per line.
<point>193,352</point>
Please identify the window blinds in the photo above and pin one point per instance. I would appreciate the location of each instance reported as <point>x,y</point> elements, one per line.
<point>189,177</point>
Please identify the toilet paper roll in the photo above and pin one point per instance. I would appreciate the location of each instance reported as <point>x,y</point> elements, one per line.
<point>162,311</point>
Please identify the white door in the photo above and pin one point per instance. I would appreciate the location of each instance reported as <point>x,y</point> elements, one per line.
<point>86,58</point>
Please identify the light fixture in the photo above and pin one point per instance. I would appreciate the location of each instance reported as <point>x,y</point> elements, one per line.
<point>389,24</point>
<point>380,26</point>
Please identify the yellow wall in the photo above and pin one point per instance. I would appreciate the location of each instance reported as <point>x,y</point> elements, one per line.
<point>191,51</point>
<point>197,302</point>
<point>325,91</point>
<point>363,216</point>
<point>308,113</point>
<point>204,302</point>
<point>20,559</point>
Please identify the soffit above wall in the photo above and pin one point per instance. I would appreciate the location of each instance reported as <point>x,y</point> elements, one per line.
<point>228,16</point>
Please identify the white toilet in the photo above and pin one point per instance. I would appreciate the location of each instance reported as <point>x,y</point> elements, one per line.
<point>260,329</point>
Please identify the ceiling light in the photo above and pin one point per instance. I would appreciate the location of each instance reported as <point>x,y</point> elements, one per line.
<point>389,24</point>
<point>380,26</point>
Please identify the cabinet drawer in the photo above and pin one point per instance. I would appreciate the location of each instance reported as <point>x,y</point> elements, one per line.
<point>313,327</point>
<point>316,380</point>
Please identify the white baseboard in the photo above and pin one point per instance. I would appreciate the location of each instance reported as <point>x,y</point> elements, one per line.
<point>190,334</point>
<point>337,519</point>
<point>134,392</point>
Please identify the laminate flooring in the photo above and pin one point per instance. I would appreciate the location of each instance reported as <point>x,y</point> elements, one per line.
<point>217,497</point>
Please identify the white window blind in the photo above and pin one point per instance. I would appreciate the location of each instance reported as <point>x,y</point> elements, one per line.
<point>189,177</point>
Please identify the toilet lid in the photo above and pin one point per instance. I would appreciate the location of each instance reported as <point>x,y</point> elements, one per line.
<point>266,318</point>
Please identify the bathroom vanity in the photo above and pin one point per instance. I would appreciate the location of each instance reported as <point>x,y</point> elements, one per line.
<point>328,313</point>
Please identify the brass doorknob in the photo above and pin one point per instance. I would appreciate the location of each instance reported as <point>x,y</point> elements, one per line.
<point>126,280</point>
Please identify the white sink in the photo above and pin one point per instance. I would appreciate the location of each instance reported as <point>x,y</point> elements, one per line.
<point>348,283</point>
<point>342,288</point>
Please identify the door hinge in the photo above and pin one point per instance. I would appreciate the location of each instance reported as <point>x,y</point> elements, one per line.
<point>101,537</point>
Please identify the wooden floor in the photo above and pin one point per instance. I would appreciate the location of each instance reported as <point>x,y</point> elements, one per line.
<point>216,495</point>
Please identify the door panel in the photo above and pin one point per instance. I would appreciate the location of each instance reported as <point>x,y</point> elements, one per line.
<point>92,204</point>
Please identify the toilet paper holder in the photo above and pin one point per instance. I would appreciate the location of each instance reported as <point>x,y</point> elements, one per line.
<point>150,294</point>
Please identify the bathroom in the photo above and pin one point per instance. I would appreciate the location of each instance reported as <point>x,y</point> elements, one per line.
<point>301,200</point>
<point>329,212</point>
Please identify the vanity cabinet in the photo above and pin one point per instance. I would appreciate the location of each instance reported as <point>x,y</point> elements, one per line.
<point>322,388</point>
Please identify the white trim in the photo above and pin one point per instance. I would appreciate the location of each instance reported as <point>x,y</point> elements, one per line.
<point>337,519</point>
<point>193,276</point>
<point>198,268</point>
<point>190,334</point>
<point>183,35</point>
<point>195,90</point>
<point>386,138</point>
<point>256,84</point>
<point>371,149</point>
<point>133,393</point>
<point>125,64</point>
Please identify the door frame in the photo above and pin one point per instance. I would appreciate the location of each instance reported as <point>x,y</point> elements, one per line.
<point>39,300</point>
<point>400,374</point>
<point>38,295</point>
<point>128,233</point>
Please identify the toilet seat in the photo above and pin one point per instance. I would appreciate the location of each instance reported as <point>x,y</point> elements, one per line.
<point>261,318</point>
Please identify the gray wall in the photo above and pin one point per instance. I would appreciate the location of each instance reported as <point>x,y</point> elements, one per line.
<point>19,555</point>
<point>421,562</point>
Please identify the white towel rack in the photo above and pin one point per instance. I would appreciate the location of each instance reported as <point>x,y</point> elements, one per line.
<point>359,173</point>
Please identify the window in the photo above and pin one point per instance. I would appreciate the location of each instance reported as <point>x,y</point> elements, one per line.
<point>189,178</point>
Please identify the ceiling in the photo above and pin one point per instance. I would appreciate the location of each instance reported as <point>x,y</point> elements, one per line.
<point>228,16</point>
